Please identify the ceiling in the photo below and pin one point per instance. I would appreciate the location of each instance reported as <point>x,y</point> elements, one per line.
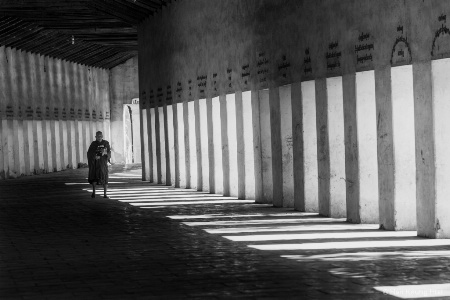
<point>99,33</point>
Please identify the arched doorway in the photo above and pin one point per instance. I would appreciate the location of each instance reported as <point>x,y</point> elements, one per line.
<point>131,132</point>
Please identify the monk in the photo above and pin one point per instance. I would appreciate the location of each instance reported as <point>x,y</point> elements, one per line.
<point>98,155</point>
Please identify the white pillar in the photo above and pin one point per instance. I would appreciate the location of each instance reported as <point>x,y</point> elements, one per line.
<point>404,210</point>
<point>204,144</point>
<point>432,130</point>
<point>232,144</point>
<point>192,145</point>
<point>181,146</point>
<point>336,147</point>
<point>162,143</point>
<point>266,147</point>
<point>330,144</point>
<point>217,139</point>
<point>287,145</point>
<point>154,158</point>
<point>311,187</point>
<point>361,169</point>
<point>248,145</point>
<point>171,140</point>
<point>145,146</point>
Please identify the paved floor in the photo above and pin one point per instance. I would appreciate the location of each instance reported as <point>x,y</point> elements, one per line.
<point>155,242</point>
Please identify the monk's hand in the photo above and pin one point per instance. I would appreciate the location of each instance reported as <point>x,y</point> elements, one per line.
<point>97,157</point>
<point>105,152</point>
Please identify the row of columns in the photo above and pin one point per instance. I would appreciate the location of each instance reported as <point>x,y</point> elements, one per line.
<point>46,108</point>
<point>371,147</point>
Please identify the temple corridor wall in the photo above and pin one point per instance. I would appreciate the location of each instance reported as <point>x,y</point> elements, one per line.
<point>336,106</point>
<point>50,110</point>
<point>124,87</point>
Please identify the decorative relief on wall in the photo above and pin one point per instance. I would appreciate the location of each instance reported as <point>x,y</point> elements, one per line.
<point>441,42</point>
<point>29,113</point>
<point>151,98</point>
<point>201,83</point>
<point>262,67</point>
<point>364,50</point>
<point>9,112</point>
<point>47,112</point>
<point>179,92</point>
<point>94,114</point>
<point>56,113</point>
<point>229,80</point>
<point>87,114</point>
<point>214,87</point>
<point>401,52</point>
<point>159,96</point>
<point>79,114</point>
<point>284,67</point>
<point>143,102</point>
<point>100,115</point>
<point>307,65</point>
<point>333,57</point>
<point>72,113</point>
<point>169,95</point>
<point>63,114</point>
<point>107,115</point>
<point>245,75</point>
<point>38,113</point>
<point>190,95</point>
<point>19,112</point>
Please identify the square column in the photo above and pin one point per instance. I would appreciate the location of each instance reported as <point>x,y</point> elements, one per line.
<point>396,148</point>
<point>192,146</point>
<point>145,144</point>
<point>361,174</point>
<point>217,141</point>
<point>432,128</point>
<point>266,148</point>
<point>287,150</point>
<point>275,128</point>
<point>166,146</point>
<point>153,137</point>
<point>171,145</point>
<point>305,146</point>
<point>240,145</point>
<point>330,147</point>
<point>211,157</point>
<point>162,147</point>
<point>225,149</point>
<point>257,151</point>
<point>249,145</point>
<point>232,145</point>
<point>181,147</point>
<point>203,119</point>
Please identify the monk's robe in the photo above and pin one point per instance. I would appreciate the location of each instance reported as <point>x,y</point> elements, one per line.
<point>98,168</point>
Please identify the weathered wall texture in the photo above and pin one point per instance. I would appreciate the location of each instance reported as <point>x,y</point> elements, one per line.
<point>347,50</point>
<point>124,87</point>
<point>49,112</point>
<point>273,42</point>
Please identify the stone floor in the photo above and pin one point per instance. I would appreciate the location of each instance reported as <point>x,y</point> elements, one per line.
<point>155,242</point>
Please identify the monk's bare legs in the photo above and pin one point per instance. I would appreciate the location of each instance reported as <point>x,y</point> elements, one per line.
<point>93,190</point>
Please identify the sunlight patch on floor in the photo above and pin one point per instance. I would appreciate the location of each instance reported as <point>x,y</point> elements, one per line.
<point>416,291</point>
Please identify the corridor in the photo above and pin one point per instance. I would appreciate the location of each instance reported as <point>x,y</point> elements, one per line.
<point>156,242</point>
